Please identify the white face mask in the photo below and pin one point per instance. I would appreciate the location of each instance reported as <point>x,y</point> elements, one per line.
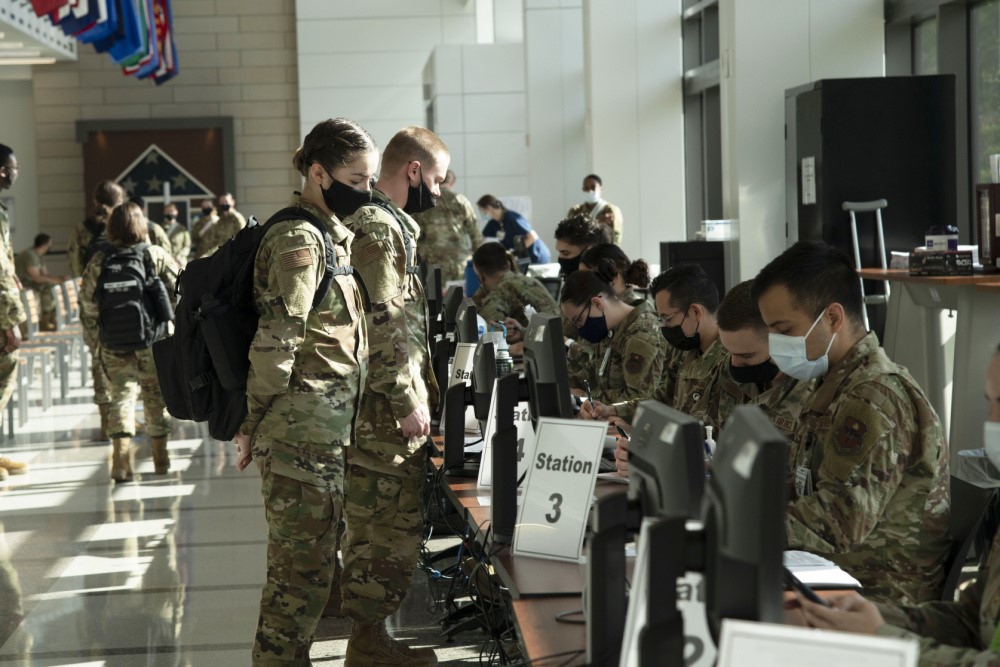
<point>591,197</point>
<point>991,441</point>
<point>789,354</point>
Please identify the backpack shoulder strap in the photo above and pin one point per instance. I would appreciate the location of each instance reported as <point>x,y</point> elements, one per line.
<point>330,255</point>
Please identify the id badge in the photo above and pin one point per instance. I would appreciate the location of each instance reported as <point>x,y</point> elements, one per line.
<point>604,364</point>
<point>803,481</point>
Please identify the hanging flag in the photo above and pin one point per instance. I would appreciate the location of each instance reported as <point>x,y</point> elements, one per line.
<point>103,28</point>
<point>127,41</point>
<point>90,14</point>
<point>142,12</point>
<point>168,50</point>
<point>149,62</point>
<point>43,7</point>
<point>71,9</point>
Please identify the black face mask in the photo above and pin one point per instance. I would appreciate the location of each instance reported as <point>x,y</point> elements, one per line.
<point>419,197</point>
<point>224,208</point>
<point>568,265</point>
<point>758,374</point>
<point>680,340</point>
<point>170,218</point>
<point>207,211</point>
<point>344,200</point>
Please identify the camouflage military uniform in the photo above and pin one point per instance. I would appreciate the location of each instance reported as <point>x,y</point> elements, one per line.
<point>84,234</point>
<point>129,374</point>
<point>878,461</point>
<point>628,364</point>
<point>224,229</point>
<point>11,311</point>
<point>46,292</point>
<point>198,229</point>
<point>954,634</point>
<point>687,383</point>
<point>180,242</point>
<point>781,401</point>
<point>609,215</point>
<point>158,237</point>
<point>449,233</point>
<point>512,294</point>
<point>307,368</point>
<point>385,470</point>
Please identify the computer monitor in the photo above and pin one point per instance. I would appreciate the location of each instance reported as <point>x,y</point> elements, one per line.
<point>449,309</point>
<point>432,289</point>
<point>467,323</point>
<point>545,369</point>
<point>744,519</point>
<point>666,462</point>
<point>484,373</point>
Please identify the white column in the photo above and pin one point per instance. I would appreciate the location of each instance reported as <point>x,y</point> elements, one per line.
<point>553,43</point>
<point>634,117</point>
<point>766,47</point>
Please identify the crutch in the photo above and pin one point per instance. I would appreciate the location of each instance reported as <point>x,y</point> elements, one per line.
<point>876,206</point>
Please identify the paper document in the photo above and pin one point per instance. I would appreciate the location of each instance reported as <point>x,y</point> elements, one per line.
<point>474,444</point>
<point>817,571</point>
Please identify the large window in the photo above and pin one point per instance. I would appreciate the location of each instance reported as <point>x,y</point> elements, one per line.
<point>702,117</point>
<point>984,69</point>
<point>925,44</point>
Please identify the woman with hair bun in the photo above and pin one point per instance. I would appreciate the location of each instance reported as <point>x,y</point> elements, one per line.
<point>628,275</point>
<point>621,353</point>
<point>505,291</point>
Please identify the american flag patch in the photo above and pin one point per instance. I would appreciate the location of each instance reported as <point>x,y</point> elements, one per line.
<point>293,259</point>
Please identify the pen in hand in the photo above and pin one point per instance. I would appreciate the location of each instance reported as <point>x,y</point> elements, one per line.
<point>590,395</point>
<point>622,432</point>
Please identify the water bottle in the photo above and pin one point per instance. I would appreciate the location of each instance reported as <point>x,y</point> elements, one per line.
<point>504,362</point>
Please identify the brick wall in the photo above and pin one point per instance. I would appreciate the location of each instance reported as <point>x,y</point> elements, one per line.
<point>237,58</point>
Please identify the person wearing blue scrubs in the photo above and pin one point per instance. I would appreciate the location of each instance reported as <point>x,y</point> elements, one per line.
<point>513,231</point>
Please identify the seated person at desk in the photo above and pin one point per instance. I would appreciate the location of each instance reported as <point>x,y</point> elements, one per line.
<point>513,231</point>
<point>751,376</point>
<point>686,300</point>
<point>868,461</point>
<point>504,291</point>
<point>626,339</point>
<point>581,355</point>
<point>950,633</point>
<point>32,273</point>
<point>575,235</point>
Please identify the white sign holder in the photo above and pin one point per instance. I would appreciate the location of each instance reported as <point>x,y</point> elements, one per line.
<point>461,367</point>
<point>525,441</point>
<point>559,489</point>
<point>764,644</point>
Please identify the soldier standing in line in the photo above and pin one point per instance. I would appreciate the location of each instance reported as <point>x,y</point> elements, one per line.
<point>154,232</point>
<point>869,459</point>
<point>230,221</point>
<point>207,219</point>
<point>307,368</point>
<point>88,236</point>
<point>449,232</point>
<point>130,374</point>
<point>597,207</point>
<point>11,311</point>
<point>177,233</point>
<point>387,464</point>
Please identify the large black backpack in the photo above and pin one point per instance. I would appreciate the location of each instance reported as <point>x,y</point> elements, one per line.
<point>203,367</point>
<point>133,304</point>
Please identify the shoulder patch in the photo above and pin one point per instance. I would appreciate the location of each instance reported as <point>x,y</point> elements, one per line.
<point>295,258</point>
<point>850,436</point>
<point>369,253</point>
<point>635,363</point>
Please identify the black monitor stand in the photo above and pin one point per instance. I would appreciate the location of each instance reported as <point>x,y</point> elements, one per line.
<point>672,551</point>
<point>456,398</point>
<point>444,350</point>
<point>504,460</point>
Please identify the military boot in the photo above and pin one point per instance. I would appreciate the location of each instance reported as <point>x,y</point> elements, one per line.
<point>121,460</point>
<point>161,459</point>
<point>103,409</point>
<point>371,646</point>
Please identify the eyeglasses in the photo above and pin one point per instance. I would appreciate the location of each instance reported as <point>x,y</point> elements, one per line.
<point>666,319</point>
<point>579,321</point>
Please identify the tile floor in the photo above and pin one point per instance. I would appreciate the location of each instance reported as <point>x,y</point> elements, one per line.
<point>166,571</point>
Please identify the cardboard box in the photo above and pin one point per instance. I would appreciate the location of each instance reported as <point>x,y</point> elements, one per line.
<point>943,263</point>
